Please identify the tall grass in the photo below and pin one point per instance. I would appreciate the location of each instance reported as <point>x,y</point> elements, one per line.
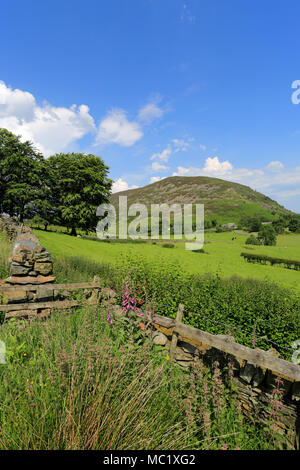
<point>5,249</point>
<point>78,382</point>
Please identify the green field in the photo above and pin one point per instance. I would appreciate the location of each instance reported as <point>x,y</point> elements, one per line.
<point>222,255</point>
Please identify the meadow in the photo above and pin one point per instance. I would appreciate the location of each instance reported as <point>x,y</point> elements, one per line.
<point>222,255</point>
<point>83,382</point>
<point>220,291</point>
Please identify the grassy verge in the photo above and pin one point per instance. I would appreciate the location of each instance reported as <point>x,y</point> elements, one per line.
<point>78,382</point>
<point>5,249</point>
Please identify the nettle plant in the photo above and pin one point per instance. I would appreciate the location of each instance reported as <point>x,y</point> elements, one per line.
<point>135,322</point>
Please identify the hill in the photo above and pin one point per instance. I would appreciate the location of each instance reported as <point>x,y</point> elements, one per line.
<point>223,200</point>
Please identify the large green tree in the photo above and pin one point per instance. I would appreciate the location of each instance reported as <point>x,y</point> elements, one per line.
<point>267,235</point>
<point>78,183</point>
<point>294,225</point>
<point>21,174</point>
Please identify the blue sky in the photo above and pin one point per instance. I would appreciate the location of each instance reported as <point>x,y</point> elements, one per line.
<point>159,87</point>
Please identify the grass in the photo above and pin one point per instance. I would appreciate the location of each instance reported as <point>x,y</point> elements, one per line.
<point>222,255</point>
<point>78,382</point>
<point>5,249</point>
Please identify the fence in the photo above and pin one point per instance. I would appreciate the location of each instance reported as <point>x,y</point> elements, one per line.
<point>256,372</point>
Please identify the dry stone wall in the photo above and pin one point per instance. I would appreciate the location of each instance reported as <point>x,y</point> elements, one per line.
<point>257,373</point>
<point>30,262</point>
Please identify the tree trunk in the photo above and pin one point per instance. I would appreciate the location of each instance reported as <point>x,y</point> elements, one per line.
<point>73,231</point>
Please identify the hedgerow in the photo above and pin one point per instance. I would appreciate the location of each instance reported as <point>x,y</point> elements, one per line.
<point>263,259</point>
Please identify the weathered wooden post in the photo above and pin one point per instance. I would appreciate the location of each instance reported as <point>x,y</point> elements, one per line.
<point>175,334</point>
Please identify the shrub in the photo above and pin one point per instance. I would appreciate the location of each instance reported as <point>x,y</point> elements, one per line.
<point>267,235</point>
<point>253,240</point>
<point>263,259</point>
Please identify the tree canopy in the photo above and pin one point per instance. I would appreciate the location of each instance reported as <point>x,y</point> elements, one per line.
<point>64,189</point>
<point>21,169</point>
<point>267,235</point>
<point>79,184</point>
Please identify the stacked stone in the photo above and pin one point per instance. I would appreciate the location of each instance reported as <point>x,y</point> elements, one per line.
<point>30,262</point>
<point>254,384</point>
<point>10,227</point>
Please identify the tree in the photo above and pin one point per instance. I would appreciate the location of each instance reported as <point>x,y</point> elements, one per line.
<point>79,184</point>
<point>252,224</point>
<point>267,235</point>
<point>20,174</point>
<point>253,240</point>
<point>279,226</point>
<point>294,225</point>
<point>43,210</point>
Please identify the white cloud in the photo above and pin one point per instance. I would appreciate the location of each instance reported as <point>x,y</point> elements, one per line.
<point>275,166</point>
<point>50,128</point>
<point>214,166</point>
<point>150,112</point>
<point>158,167</point>
<point>154,179</point>
<point>163,156</point>
<point>288,194</point>
<point>181,145</point>
<point>176,145</point>
<point>16,102</point>
<point>115,128</point>
<point>280,185</point>
<point>218,169</point>
<point>121,185</point>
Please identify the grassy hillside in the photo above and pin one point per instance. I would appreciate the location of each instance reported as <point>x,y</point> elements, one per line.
<point>223,200</point>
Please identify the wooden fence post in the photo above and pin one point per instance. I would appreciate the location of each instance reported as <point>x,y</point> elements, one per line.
<point>175,335</point>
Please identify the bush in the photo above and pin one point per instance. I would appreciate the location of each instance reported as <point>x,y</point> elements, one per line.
<point>263,259</point>
<point>168,245</point>
<point>267,235</point>
<point>253,240</point>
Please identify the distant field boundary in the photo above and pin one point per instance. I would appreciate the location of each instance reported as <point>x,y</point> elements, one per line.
<point>264,259</point>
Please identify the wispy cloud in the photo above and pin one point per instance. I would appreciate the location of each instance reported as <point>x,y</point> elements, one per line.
<point>159,167</point>
<point>275,166</point>
<point>149,112</point>
<point>163,156</point>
